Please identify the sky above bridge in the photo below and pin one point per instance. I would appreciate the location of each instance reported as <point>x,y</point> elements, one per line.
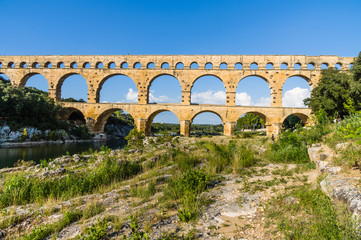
<point>181,27</point>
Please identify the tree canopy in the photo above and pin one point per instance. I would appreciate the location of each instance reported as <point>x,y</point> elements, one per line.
<point>250,121</point>
<point>338,93</point>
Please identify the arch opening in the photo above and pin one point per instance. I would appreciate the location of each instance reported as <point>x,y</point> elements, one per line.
<point>208,89</point>
<point>179,65</point>
<point>350,66</point>
<point>297,66</point>
<point>35,80</point>
<point>253,66</point>
<point>11,65</point>
<point>117,88</point>
<point>338,66</point>
<point>1,64</point>
<point>72,87</point>
<point>48,65</point>
<point>163,122</point>
<point>117,123</point>
<point>208,66</point>
<point>4,77</point>
<point>252,122</point>
<point>324,66</point>
<point>60,65</point>
<point>137,65</point>
<point>269,66</point>
<point>292,121</point>
<point>223,66</point>
<point>99,65</point>
<point>124,65</point>
<point>165,89</point>
<point>23,65</point>
<point>206,123</point>
<point>73,65</point>
<point>294,91</point>
<point>35,65</point>
<point>311,66</point>
<point>284,66</point>
<point>165,65</point>
<point>86,65</point>
<point>238,66</point>
<point>151,65</point>
<point>253,91</point>
<point>194,65</point>
<point>112,65</point>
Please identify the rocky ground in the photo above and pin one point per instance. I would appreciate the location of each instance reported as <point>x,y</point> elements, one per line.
<point>236,204</point>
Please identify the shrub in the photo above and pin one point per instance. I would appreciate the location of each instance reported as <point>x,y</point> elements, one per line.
<point>135,139</point>
<point>95,232</point>
<point>136,232</point>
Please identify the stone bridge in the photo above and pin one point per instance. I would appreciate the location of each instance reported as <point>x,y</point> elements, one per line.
<point>143,69</point>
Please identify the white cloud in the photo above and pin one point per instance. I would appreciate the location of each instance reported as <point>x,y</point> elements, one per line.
<point>209,97</point>
<point>132,96</point>
<point>243,99</point>
<point>294,97</point>
<point>263,102</point>
<point>160,99</point>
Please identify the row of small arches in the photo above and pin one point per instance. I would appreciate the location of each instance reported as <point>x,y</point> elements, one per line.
<point>165,65</point>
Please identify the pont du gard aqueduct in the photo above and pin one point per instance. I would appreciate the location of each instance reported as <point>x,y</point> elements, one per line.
<point>230,69</point>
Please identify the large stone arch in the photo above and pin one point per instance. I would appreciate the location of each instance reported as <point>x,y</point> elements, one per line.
<point>153,78</point>
<point>67,111</point>
<point>104,79</point>
<point>101,119</point>
<point>152,115</point>
<point>61,80</point>
<point>304,77</point>
<point>264,77</point>
<point>208,110</point>
<point>27,76</point>
<point>205,74</point>
<point>304,117</point>
<point>261,114</point>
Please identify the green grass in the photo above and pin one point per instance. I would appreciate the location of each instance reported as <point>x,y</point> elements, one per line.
<point>18,189</point>
<point>312,216</point>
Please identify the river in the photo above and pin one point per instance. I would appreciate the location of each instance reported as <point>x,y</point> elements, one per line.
<point>10,155</point>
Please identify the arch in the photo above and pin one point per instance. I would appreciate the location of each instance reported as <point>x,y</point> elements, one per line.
<point>269,65</point>
<point>35,65</point>
<point>102,118</point>
<point>74,65</point>
<point>75,89</point>
<point>166,90</point>
<point>151,65</point>
<point>297,66</point>
<point>137,65</point>
<point>324,66</point>
<point>37,77</point>
<point>99,65</point>
<point>48,65</point>
<point>156,113</point>
<point>133,96</point>
<point>311,66</point>
<point>284,66</point>
<point>11,65</point>
<point>238,66</point>
<point>253,66</point>
<point>67,111</point>
<point>207,95</point>
<point>294,90</point>
<point>194,65</point>
<point>165,65</point>
<point>179,65</point>
<point>124,65</point>
<point>253,90</point>
<point>86,65</point>
<point>350,66</point>
<point>304,118</point>
<point>23,65</point>
<point>1,64</point>
<point>208,65</point>
<point>223,65</point>
<point>4,76</point>
<point>60,65</point>
<point>204,111</point>
<point>338,66</point>
<point>112,65</point>
<point>259,114</point>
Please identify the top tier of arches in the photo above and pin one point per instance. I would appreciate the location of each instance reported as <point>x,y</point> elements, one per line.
<point>221,62</point>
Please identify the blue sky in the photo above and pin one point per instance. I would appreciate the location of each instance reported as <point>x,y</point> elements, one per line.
<point>180,27</point>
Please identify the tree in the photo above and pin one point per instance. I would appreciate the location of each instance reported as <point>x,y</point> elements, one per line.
<point>332,92</point>
<point>250,120</point>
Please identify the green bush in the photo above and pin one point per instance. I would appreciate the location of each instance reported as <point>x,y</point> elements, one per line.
<point>95,232</point>
<point>135,139</point>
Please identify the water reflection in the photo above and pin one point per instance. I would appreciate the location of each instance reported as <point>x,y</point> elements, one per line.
<point>9,156</point>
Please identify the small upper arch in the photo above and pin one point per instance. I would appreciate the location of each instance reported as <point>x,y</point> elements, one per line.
<point>35,65</point>
<point>194,65</point>
<point>208,65</point>
<point>99,65</point>
<point>151,65</point>
<point>165,65</point>
<point>253,66</point>
<point>284,65</point>
<point>48,65</point>
<point>338,66</point>
<point>60,65</point>
<point>23,65</point>
<point>124,65</point>
<point>324,66</point>
<point>179,65</point>
<point>269,65</point>
<point>86,65</point>
<point>74,65</point>
<point>311,66</point>
<point>297,66</point>
<point>238,66</point>
<point>112,65</point>
<point>137,65</point>
<point>223,65</point>
<point>11,65</point>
